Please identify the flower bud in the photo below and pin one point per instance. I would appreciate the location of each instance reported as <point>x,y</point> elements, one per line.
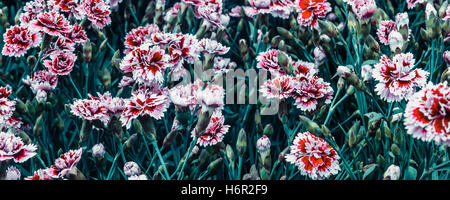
<point>37,129</point>
<point>214,166</point>
<point>395,149</point>
<point>275,41</point>
<point>229,152</point>
<point>319,55</point>
<point>263,144</point>
<point>285,33</point>
<point>98,151</point>
<point>87,51</point>
<point>268,130</point>
<point>168,140</point>
<point>202,122</point>
<point>351,77</point>
<point>392,173</point>
<point>311,126</point>
<point>396,42</point>
<point>130,142</point>
<point>85,131</point>
<point>241,143</point>
<point>131,168</point>
<point>380,160</point>
<point>328,28</point>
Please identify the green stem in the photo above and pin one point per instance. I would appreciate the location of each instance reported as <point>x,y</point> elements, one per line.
<point>161,159</point>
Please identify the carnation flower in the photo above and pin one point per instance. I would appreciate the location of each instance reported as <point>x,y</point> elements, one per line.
<point>40,174</point>
<point>213,47</point>
<point>363,9</point>
<point>65,163</point>
<point>172,12</point>
<point>319,54</point>
<point>366,73</point>
<point>278,88</point>
<point>41,82</point>
<point>60,63</point>
<point>136,37</point>
<point>310,91</point>
<point>18,39</point>
<point>31,10</point>
<point>396,41</point>
<point>183,47</point>
<point>384,29</point>
<point>447,14</point>
<point>146,64</point>
<point>214,132</point>
<point>13,148</point>
<point>51,23</point>
<point>402,19</point>
<point>211,96</point>
<point>313,156</point>
<point>138,177</point>
<point>131,169</point>
<point>413,3</point>
<point>211,14</point>
<point>396,79</point>
<point>309,11</point>
<point>182,95</point>
<point>305,68</point>
<point>281,8</point>
<point>268,60</point>
<point>126,81</point>
<point>7,106</point>
<point>427,114</point>
<point>61,45</point>
<point>64,5</point>
<point>223,65</point>
<point>112,104</point>
<point>144,103</point>
<point>12,173</point>
<point>11,123</point>
<point>446,56</point>
<point>262,6</point>
<point>90,109</point>
<point>97,11</point>
<point>76,35</point>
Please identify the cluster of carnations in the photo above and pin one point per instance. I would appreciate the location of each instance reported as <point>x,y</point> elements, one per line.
<point>209,10</point>
<point>7,108</point>
<point>297,79</point>
<point>153,56</point>
<point>309,11</point>
<point>46,23</point>
<point>394,33</point>
<point>312,155</point>
<point>63,167</point>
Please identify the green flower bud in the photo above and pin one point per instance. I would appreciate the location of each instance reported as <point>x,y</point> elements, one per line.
<point>241,143</point>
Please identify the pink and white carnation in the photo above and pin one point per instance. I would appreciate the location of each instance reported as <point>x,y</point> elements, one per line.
<point>427,114</point>
<point>18,39</point>
<point>146,64</point>
<point>215,131</point>
<point>65,163</point>
<point>397,80</point>
<point>278,88</point>
<point>41,82</point>
<point>144,103</point>
<point>310,92</point>
<point>13,148</point>
<point>313,156</point>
